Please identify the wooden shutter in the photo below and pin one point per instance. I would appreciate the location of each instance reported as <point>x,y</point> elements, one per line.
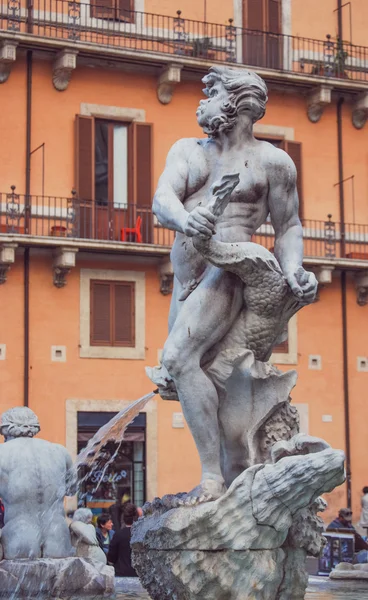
<point>142,171</point>
<point>294,150</point>
<point>253,14</point>
<point>124,314</point>
<point>100,311</point>
<point>85,155</point>
<point>103,9</point>
<point>124,10</point>
<point>254,41</point>
<point>274,16</point>
<point>282,348</point>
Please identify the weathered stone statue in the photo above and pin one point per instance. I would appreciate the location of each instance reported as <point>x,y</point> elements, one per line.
<point>249,544</point>
<point>83,535</point>
<point>244,532</point>
<point>232,299</point>
<point>36,555</point>
<point>35,476</point>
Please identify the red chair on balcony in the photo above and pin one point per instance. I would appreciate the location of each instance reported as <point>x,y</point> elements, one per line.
<point>136,231</point>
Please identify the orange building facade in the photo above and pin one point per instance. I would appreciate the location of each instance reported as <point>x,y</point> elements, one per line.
<point>92,96</point>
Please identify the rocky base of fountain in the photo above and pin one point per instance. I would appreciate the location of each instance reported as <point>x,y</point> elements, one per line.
<point>55,578</point>
<point>347,571</point>
<point>250,543</point>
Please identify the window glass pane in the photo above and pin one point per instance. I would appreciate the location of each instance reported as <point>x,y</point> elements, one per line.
<point>120,472</point>
<point>101,162</point>
<point>120,166</point>
<point>138,473</point>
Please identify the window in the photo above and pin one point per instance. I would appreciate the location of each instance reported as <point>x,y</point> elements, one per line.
<point>115,10</point>
<point>124,478</point>
<point>112,318</point>
<point>111,164</point>
<point>113,180</point>
<point>112,314</point>
<point>286,353</point>
<point>262,46</point>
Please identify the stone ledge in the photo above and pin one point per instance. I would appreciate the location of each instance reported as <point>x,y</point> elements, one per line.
<point>189,64</point>
<point>55,578</point>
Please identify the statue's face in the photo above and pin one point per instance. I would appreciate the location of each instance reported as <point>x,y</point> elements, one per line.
<point>212,107</point>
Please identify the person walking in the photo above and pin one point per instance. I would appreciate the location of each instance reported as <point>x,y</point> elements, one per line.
<point>104,531</point>
<point>120,552</point>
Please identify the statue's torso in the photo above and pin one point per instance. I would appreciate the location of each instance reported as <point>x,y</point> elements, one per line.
<point>248,206</point>
<point>33,474</point>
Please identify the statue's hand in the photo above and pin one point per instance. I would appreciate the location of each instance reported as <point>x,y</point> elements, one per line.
<point>200,222</point>
<point>303,285</point>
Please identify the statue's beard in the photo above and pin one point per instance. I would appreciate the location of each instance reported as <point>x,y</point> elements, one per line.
<point>215,125</point>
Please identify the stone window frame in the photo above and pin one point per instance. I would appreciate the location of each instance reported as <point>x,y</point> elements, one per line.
<point>112,352</point>
<point>290,357</point>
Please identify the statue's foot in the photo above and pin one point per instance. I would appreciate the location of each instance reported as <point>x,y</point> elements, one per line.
<point>207,491</point>
<point>160,377</point>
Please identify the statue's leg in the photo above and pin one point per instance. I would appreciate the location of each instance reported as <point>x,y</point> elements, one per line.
<point>21,538</point>
<point>56,539</point>
<point>206,316</point>
<point>175,305</point>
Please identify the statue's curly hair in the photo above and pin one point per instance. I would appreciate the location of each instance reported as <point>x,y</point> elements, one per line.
<point>19,422</point>
<point>247,92</point>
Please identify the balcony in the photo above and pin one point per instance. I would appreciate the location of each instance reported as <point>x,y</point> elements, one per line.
<point>90,28</point>
<point>53,221</point>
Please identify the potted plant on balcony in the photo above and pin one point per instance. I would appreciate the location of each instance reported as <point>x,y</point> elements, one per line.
<point>202,47</point>
<point>335,61</point>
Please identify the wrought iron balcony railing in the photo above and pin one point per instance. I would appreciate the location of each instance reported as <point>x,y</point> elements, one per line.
<point>73,218</point>
<point>89,22</point>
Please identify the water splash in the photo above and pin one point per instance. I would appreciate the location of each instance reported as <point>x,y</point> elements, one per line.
<point>113,431</point>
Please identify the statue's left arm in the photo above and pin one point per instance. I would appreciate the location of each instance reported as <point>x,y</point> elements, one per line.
<point>284,205</point>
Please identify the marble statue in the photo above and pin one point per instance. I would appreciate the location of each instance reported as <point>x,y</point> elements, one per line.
<point>37,558</point>
<point>35,476</point>
<point>232,299</point>
<point>83,536</point>
<point>250,543</point>
<point>245,531</point>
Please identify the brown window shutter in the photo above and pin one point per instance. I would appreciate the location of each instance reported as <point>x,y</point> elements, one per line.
<point>124,314</point>
<point>100,311</point>
<point>274,16</point>
<point>253,14</point>
<point>125,8</point>
<point>141,173</point>
<point>103,9</point>
<point>85,154</point>
<point>143,165</point>
<point>294,150</point>
<point>282,348</point>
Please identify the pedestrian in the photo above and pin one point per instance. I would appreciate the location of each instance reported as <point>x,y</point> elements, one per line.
<point>104,531</point>
<point>120,552</point>
<point>344,522</point>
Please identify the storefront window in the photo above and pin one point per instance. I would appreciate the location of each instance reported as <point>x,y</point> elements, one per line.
<point>119,475</point>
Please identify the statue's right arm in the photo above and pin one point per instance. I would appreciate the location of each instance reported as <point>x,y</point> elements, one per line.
<point>168,199</point>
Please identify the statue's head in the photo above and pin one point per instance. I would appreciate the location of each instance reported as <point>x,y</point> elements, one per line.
<point>230,92</point>
<point>19,422</point>
<point>83,515</point>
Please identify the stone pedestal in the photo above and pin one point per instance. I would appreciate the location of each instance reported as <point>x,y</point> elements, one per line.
<point>55,578</point>
<point>250,544</point>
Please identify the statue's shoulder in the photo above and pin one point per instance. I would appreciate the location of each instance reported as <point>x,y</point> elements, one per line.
<point>277,161</point>
<point>186,146</point>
